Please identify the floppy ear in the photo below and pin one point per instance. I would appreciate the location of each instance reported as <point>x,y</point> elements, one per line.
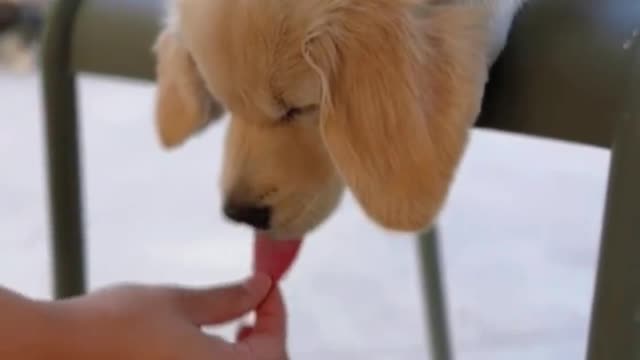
<point>400,94</point>
<point>183,105</point>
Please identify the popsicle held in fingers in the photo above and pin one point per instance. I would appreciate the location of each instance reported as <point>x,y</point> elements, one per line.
<point>274,257</point>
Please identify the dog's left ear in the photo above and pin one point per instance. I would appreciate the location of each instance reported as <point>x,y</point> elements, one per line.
<point>401,92</point>
<point>183,105</point>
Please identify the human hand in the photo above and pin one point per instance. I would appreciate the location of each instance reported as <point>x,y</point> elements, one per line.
<point>148,322</point>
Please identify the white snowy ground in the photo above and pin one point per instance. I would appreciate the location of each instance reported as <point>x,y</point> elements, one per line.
<point>520,230</point>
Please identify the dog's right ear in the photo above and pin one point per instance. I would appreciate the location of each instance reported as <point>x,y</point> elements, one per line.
<point>183,104</point>
<point>396,121</point>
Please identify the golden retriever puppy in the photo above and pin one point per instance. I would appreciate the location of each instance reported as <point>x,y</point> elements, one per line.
<point>375,95</point>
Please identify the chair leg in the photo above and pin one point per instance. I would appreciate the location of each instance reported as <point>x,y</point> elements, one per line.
<point>615,323</point>
<point>62,151</point>
<point>434,292</point>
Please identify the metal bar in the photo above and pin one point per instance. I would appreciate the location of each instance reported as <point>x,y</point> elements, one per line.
<point>435,296</point>
<point>615,323</point>
<point>64,178</point>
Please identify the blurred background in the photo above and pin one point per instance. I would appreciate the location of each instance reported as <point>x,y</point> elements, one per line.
<point>519,232</point>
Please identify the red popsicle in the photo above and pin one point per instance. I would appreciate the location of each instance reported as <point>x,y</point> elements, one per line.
<point>274,257</point>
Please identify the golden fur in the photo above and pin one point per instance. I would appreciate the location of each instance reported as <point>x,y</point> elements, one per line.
<point>377,95</point>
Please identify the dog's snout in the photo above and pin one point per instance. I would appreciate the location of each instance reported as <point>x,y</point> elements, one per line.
<point>257,216</point>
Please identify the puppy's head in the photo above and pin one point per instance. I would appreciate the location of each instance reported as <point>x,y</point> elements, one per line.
<point>375,94</point>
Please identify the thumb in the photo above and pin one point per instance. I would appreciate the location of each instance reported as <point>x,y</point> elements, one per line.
<point>224,303</point>
<point>271,316</point>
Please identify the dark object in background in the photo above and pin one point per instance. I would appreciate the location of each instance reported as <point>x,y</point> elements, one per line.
<point>31,23</point>
<point>9,16</point>
<point>27,20</point>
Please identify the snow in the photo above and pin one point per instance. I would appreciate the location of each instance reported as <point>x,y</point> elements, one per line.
<point>520,234</point>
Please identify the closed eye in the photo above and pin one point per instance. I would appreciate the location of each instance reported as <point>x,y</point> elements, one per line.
<point>293,113</point>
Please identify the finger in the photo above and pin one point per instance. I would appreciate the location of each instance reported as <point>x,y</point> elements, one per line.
<point>271,317</point>
<point>244,333</point>
<point>221,304</point>
<point>218,348</point>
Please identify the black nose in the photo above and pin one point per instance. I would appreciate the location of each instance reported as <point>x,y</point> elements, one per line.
<point>258,217</point>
